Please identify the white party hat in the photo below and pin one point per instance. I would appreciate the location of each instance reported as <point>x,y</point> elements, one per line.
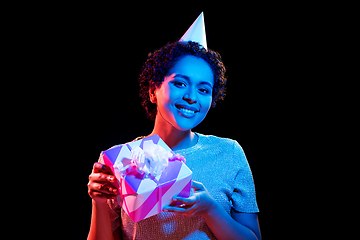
<point>196,32</point>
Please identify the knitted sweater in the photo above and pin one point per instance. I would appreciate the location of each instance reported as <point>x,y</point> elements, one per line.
<point>218,163</point>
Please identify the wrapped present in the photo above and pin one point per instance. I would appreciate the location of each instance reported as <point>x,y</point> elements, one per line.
<point>148,175</point>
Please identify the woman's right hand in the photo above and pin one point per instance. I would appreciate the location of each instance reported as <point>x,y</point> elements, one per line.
<point>100,187</point>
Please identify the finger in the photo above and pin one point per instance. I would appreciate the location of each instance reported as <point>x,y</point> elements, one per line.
<point>98,167</point>
<point>174,209</point>
<point>101,177</point>
<point>187,201</point>
<point>197,185</point>
<point>96,194</point>
<point>103,188</point>
<point>183,209</point>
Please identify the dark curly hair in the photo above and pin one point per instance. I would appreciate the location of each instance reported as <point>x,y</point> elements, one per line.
<point>162,60</point>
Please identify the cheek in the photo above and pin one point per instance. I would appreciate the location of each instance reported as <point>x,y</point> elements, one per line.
<point>206,104</point>
<point>169,95</point>
<point>162,95</point>
<point>165,98</point>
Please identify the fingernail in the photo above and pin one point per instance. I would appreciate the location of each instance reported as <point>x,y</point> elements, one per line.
<point>110,179</point>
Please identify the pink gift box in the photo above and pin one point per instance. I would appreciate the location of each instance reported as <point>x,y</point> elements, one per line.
<point>143,196</point>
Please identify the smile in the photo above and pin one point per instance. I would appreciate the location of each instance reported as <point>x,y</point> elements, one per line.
<point>186,111</point>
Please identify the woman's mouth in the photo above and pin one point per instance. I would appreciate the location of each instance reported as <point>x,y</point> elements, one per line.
<point>186,111</point>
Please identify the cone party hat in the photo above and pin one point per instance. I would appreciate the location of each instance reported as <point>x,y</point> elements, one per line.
<point>196,32</point>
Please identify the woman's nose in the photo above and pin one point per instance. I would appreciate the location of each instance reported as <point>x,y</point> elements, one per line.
<point>189,99</point>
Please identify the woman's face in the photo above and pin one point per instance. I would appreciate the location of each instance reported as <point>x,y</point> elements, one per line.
<point>184,97</point>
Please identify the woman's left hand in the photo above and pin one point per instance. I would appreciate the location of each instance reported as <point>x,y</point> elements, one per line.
<point>199,203</point>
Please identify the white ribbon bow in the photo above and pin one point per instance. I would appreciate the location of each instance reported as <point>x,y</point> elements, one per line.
<point>151,160</point>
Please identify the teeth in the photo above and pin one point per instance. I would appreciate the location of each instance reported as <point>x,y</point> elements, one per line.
<point>187,110</point>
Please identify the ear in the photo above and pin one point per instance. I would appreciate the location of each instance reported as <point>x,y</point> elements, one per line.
<point>152,95</point>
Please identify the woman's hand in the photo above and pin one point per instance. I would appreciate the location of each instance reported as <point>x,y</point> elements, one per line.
<point>100,183</point>
<point>199,203</point>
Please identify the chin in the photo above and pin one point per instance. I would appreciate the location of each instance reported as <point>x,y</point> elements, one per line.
<point>185,124</point>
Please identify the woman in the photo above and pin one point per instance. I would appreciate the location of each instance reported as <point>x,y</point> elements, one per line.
<point>179,83</point>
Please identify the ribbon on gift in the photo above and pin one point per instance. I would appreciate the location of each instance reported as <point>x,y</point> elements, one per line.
<point>131,183</point>
<point>150,161</point>
<point>177,156</point>
<point>140,193</point>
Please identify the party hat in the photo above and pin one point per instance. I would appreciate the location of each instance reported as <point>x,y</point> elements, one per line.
<point>196,32</point>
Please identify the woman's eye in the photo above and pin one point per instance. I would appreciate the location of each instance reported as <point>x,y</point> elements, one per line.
<point>204,90</point>
<point>179,84</point>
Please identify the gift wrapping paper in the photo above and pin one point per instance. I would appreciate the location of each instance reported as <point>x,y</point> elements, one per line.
<point>143,196</point>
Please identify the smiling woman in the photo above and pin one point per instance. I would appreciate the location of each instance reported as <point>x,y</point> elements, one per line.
<point>184,97</point>
<point>159,63</point>
<point>179,83</point>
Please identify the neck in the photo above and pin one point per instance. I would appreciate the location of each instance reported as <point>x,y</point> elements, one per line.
<point>173,137</point>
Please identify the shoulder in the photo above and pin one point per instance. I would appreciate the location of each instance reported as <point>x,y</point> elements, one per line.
<point>227,148</point>
<point>215,141</point>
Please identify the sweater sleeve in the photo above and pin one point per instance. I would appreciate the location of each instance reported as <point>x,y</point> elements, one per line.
<point>243,198</point>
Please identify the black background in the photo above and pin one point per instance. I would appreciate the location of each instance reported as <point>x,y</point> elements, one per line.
<point>88,58</point>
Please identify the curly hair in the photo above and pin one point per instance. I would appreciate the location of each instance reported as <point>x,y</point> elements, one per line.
<point>162,60</point>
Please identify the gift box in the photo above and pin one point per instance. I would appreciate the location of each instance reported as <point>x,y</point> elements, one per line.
<point>148,175</point>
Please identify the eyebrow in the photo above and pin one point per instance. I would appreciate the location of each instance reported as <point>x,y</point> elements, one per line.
<point>188,79</point>
<point>182,76</point>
